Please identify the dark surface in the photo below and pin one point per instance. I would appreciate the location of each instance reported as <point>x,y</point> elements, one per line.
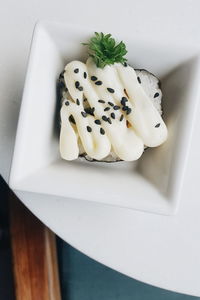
<point>84,279</point>
<point>6,279</point>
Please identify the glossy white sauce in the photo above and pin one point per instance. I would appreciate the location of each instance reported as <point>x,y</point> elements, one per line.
<point>146,127</point>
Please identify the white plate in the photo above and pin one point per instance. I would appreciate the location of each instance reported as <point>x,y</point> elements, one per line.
<point>153,183</point>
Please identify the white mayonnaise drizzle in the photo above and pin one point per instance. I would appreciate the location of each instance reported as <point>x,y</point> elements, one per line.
<point>112,83</point>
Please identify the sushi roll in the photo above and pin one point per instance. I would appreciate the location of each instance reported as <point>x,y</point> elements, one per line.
<point>109,111</point>
<point>152,87</point>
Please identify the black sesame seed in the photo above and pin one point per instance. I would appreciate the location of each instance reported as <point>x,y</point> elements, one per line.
<point>98,82</point>
<point>116,107</point>
<point>109,121</point>
<point>111,90</point>
<point>104,118</point>
<point>85,99</point>
<point>77,83</point>
<point>156,95</point>
<point>71,119</point>
<point>76,70</point>
<point>128,111</point>
<point>98,122</point>
<point>94,78</point>
<point>92,110</point>
<point>107,108</point>
<point>124,100</point>
<point>89,129</point>
<point>121,118</point>
<point>110,103</point>
<point>85,75</point>
<point>157,125</point>
<point>80,88</point>
<point>77,102</point>
<point>125,64</point>
<point>101,101</point>
<point>124,108</point>
<point>139,80</point>
<point>89,111</point>
<point>102,131</point>
<point>112,115</point>
<point>84,114</point>
<point>67,103</point>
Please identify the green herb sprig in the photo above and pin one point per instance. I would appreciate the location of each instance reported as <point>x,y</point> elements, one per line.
<point>104,50</point>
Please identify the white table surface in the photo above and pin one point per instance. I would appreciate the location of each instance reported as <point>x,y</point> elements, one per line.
<point>163,251</point>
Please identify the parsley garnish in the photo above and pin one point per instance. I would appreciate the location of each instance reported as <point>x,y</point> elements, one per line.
<point>104,50</point>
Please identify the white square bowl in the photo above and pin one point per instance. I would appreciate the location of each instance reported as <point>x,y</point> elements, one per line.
<point>153,183</point>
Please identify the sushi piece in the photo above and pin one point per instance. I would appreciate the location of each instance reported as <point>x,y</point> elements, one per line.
<point>109,111</point>
<point>152,87</point>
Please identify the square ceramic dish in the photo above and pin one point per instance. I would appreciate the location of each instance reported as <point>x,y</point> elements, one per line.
<point>153,183</point>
